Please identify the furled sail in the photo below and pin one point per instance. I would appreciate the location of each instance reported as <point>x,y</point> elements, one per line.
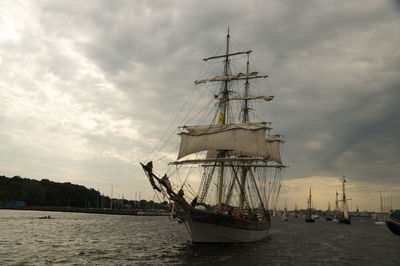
<point>248,139</point>
<point>239,76</point>
<point>265,98</point>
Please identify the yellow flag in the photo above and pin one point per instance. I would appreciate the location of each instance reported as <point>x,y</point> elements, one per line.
<point>220,118</point>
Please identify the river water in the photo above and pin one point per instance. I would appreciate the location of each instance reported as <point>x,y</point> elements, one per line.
<point>98,239</point>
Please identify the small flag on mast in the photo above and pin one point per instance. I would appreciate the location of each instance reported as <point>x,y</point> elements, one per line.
<point>220,118</point>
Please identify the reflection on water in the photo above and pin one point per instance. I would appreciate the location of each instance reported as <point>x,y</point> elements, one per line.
<point>76,238</point>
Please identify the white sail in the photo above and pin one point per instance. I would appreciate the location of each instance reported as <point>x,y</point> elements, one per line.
<point>208,129</point>
<point>243,139</point>
<point>273,148</point>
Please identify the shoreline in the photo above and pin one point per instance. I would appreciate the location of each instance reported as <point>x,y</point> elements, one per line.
<point>82,210</point>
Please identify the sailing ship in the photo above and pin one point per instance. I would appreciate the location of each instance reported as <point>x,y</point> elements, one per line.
<point>329,215</point>
<point>237,158</point>
<point>309,216</point>
<point>285,217</point>
<point>337,210</point>
<point>344,216</point>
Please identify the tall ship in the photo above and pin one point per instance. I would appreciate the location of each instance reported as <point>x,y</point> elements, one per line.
<point>232,156</point>
<point>285,217</point>
<point>329,216</point>
<point>337,210</point>
<point>344,216</point>
<point>309,218</point>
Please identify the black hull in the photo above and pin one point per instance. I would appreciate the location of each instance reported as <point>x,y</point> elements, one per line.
<point>206,227</point>
<point>229,221</point>
<point>345,221</point>
<point>393,222</point>
<point>310,220</point>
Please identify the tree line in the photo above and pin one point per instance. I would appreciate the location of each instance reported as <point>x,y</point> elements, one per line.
<point>49,193</point>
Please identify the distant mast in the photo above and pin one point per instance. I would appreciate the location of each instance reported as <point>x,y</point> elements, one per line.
<point>309,217</point>
<point>345,217</point>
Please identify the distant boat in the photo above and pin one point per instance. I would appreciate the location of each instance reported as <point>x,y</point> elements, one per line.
<point>336,211</point>
<point>309,217</point>
<point>46,217</point>
<point>285,214</point>
<point>380,217</point>
<point>329,215</point>
<point>296,212</point>
<point>393,222</point>
<point>344,216</point>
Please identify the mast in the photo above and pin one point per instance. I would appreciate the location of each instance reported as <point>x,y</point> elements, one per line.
<point>244,120</point>
<point>225,95</point>
<point>345,207</point>
<point>344,194</point>
<point>285,209</point>
<point>246,94</point>
<point>337,203</point>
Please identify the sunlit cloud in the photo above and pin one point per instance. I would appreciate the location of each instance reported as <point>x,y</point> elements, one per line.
<point>87,90</point>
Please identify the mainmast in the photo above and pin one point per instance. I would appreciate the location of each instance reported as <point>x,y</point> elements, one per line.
<point>245,120</point>
<point>337,202</point>
<point>344,201</point>
<point>344,194</point>
<point>225,94</point>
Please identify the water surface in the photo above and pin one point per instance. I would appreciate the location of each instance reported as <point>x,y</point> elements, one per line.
<point>98,239</point>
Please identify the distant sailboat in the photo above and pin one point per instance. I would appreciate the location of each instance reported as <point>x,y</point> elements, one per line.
<point>309,217</point>
<point>329,215</point>
<point>285,214</point>
<point>336,212</point>
<point>344,215</point>
<point>380,217</point>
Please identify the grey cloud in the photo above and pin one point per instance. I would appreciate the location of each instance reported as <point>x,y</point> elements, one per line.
<point>332,65</point>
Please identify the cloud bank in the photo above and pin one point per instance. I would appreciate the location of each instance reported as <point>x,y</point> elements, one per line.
<point>88,88</point>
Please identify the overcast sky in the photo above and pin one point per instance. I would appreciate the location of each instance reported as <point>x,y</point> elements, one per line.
<point>88,87</point>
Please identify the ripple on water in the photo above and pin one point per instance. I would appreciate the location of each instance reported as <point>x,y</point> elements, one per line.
<point>74,238</point>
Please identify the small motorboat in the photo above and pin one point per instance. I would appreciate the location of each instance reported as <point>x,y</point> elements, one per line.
<point>46,217</point>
